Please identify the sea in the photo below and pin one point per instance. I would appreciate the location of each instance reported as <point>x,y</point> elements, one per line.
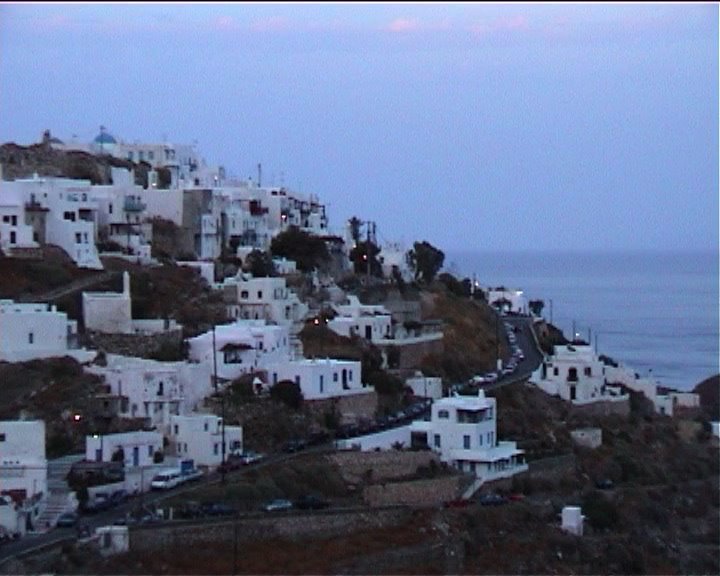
<point>655,312</point>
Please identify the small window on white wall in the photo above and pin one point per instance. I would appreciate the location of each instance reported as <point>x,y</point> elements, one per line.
<point>31,338</point>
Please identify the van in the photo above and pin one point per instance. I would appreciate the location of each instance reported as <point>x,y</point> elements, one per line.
<point>166,479</point>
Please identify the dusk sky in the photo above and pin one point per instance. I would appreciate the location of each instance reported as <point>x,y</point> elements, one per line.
<point>472,126</point>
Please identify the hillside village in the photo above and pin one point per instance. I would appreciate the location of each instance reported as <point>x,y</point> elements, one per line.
<point>164,327</point>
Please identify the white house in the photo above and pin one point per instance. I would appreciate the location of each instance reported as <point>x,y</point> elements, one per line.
<point>137,448</point>
<point>370,322</point>
<point>23,465</point>
<point>61,211</point>
<point>242,347</point>
<point>574,373</point>
<point>14,231</point>
<point>507,300</point>
<point>394,256</point>
<point>425,386</point>
<point>31,331</point>
<point>262,298</point>
<point>462,430</point>
<point>198,437</point>
<point>154,390</point>
<point>321,378</point>
<point>111,313</point>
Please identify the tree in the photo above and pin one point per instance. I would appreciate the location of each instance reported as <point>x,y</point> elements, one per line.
<point>355,224</point>
<point>426,260</point>
<point>536,307</point>
<point>287,392</point>
<point>308,251</point>
<point>359,257</point>
<point>259,264</point>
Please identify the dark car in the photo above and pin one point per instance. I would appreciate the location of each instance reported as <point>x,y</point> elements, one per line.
<point>99,504</point>
<point>311,502</point>
<point>118,497</point>
<point>67,520</point>
<point>295,445</point>
<point>217,509</point>
<point>492,500</point>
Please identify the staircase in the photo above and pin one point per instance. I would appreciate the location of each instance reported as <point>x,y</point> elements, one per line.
<point>296,347</point>
<point>61,498</point>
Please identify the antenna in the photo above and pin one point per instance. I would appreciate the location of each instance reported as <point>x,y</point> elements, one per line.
<point>259,175</point>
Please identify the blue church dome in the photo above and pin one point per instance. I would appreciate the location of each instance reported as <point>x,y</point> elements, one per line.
<point>105,138</point>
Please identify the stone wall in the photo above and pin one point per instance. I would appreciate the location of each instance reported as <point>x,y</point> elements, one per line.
<point>411,355</point>
<point>380,466</point>
<point>350,409</point>
<point>139,345</point>
<point>325,524</point>
<point>603,408</point>
<point>430,492</point>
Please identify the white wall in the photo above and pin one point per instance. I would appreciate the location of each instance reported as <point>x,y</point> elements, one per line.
<point>320,379</point>
<point>199,437</point>
<point>23,464</point>
<point>29,331</point>
<point>100,448</point>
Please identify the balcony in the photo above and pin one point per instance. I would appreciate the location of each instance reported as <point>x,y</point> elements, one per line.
<point>134,204</point>
<point>35,206</point>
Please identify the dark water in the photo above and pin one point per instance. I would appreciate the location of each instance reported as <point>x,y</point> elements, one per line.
<point>655,312</point>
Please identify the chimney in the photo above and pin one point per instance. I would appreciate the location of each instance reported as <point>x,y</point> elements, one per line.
<point>126,283</point>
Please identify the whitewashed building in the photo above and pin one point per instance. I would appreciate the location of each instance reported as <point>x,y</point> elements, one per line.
<point>425,386</point>
<point>574,373</point>
<point>111,313</point>
<point>198,437</point>
<point>270,299</point>
<point>23,464</point>
<point>15,233</point>
<point>61,211</point>
<point>242,347</point>
<point>394,256</point>
<point>32,331</point>
<point>320,379</point>
<point>137,448</point>
<point>371,322</point>
<point>507,300</point>
<point>463,431</point>
<point>154,390</point>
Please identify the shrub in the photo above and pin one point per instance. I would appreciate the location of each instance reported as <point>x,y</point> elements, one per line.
<point>288,393</point>
<point>601,513</point>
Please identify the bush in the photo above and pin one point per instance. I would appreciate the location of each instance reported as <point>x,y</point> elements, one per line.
<point>288,393</point>
<point>601,513</point>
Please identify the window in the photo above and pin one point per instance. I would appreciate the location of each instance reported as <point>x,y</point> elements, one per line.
<point>489,438</point>
<point>297,380</point>
<point>259,294</point>
<point>6,219</point>
<point>350,373</point>
<point>322,383</point>
<point>31,338</point>
<point>78,237</point>
<point>588,371</point>
<point>161,387</point>
<point>437,440</point>
<point>480,439</point>
<point>206,426</point>
<point>2,437</point>
<point>244,294</point>
<point>150,451</point>
<point>215,448</point>
<point>466,442</point>
<point>12,237</point>
<point>555,371</point>
<point>335,377</point>
<point>151,155</point>
<point>177,429</point>
<point>13,220</point>
<point>444,414</point>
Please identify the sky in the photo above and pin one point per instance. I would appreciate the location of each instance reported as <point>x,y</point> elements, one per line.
<point>470,126</point>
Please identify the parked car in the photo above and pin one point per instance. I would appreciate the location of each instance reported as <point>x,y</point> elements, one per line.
<point>311,502</point>
<point>459,503</point>
<point>100,503</point>
<point>118,497</point>
<point>67,520</point>
<point>217,509</point>
<point>250,457</point>
<point>278,505</point>
<point>295,445</point>
<point>492,500</point>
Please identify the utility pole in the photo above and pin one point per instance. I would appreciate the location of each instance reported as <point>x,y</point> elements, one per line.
<point>222,405</point>
<point>551,311</point>
<point>497,340</point>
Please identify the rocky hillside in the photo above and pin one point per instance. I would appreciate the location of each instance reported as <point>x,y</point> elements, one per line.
<point>709,391</point>
<point>42,159</point>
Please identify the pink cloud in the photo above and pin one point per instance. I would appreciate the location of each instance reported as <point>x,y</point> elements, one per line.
<point>403,25</point>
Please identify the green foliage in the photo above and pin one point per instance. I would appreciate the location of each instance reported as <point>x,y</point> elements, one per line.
<point>454,286</point>
<point>308,251</point>
<point>288,393</point>
<point>359,257</point>
<point>536,307</point>
<point>384,382</point>
<point>168,351</point>
<point>259,264</point>
<point>426,260</point>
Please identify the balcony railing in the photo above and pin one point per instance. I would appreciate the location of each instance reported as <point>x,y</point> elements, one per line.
<point>133,204</point>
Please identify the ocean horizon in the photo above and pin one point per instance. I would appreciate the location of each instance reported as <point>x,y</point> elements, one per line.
<point>656,311</point>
